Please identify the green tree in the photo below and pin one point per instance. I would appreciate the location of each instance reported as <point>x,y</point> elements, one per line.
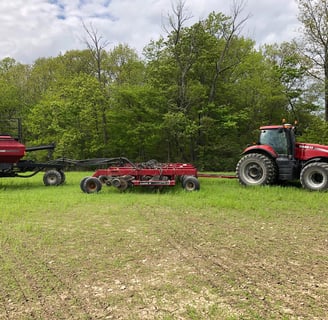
<point>135,122</point>
<point>69,114</point>
<point>191,68</point>
<point>292,69</point>
<point>122,65</point>
<point>314,18</point>
<point>13,94</point>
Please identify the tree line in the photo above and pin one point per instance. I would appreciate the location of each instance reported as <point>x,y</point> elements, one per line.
<point>198,94</point>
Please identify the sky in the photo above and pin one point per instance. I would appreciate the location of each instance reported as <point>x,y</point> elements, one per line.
<point>31,29</point>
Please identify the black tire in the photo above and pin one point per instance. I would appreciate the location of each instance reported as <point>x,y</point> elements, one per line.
<point>123,186</point>
<point>314,176</point>
<point>63,176</point>
<point>52,178</point>
<point>182,180</point>
<point>92,185</point>
<point>82,183</point>
<point>190,183</point>
<point>255,169</point>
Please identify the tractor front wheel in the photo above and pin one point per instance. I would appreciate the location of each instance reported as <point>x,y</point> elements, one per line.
<point>314,176</point>
<point>255,169</point>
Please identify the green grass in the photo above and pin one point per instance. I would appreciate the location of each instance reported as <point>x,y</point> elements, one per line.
<point>225,252</point>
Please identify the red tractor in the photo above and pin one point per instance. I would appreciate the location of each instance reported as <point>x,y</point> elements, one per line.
<point>278,157</point>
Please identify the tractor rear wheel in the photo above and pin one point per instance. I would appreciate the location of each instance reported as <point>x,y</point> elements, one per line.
<point>256,169</point>
<point>314,176</point>
<point>52,178</point>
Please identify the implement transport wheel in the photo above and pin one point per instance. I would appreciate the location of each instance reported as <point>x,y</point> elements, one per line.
<point>255,169</point>
<point>91,185</point>
<point>52,178</point>
<point>82,183</point>
<point>314,176</point>
<point>123,185</point>
<point>190,183</point>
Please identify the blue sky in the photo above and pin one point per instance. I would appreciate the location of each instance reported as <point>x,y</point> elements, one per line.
<point>31,29</point>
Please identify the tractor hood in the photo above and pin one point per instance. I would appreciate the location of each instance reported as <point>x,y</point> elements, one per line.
<point>306,151</point>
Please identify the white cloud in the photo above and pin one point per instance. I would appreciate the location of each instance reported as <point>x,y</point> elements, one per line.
<point>273,20</point>
<point>31,29</point>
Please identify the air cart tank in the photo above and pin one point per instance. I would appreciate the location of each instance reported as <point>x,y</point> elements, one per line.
<point>11,151</point>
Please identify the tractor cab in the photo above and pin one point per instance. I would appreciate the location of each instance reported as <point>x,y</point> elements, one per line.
<point>281,138</point>
<point>279,141</point>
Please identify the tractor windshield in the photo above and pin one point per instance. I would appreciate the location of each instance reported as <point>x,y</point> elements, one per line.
<point>276,138</point>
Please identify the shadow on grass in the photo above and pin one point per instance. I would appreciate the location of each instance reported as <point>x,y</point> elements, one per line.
<point>294,183</point>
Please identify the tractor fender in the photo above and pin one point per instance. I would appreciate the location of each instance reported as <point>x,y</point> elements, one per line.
<point>318,159</point>
<point>263,149</point>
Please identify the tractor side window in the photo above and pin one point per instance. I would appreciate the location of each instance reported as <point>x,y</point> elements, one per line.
<point>276,139</point>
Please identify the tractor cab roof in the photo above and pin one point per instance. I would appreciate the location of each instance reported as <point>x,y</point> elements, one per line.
<point>280,126</point>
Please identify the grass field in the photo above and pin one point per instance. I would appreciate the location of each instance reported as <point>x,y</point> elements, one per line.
<point>225,252</point>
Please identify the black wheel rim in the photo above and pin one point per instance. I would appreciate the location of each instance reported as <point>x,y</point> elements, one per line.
<point>254,172</point>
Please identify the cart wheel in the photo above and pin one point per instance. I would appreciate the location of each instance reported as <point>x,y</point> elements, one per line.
<point>52,178</point>
<point>123,186</point>
<point>190,183</point>
<point>92,185</point>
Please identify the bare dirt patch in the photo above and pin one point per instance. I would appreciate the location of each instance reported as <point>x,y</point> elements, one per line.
<point>158,262</point>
